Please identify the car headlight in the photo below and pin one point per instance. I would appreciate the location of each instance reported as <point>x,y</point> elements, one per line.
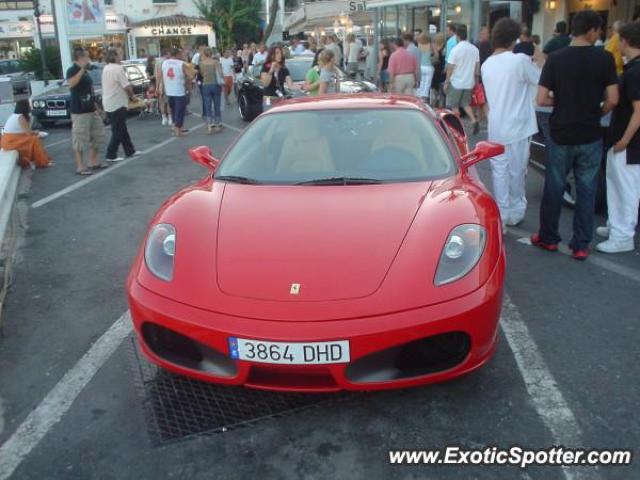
<point>160,251</point>
<point>461,252</point>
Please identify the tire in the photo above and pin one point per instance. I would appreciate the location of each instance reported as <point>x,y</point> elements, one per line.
<point>248,111</point>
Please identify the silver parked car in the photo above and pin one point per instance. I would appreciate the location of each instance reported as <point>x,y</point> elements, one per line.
<point>19,78</point>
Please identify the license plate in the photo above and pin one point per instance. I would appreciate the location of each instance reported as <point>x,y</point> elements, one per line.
<point>312,353</point>
<point>56,113</point>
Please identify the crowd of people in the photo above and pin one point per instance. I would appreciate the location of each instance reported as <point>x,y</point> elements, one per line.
<point>583,94</point>
<point>568,89</point>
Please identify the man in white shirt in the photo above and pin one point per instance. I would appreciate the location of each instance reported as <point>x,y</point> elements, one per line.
<point>195,60</point>
<point>507,78</point>
<point>116,93</point>
<point>463,69</point>
<point>298,47</point>
<point>260,57</point>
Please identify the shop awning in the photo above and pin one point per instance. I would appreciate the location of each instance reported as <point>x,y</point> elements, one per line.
<point>391,3</point>
<point>172,21</point>
<point>323,14</point>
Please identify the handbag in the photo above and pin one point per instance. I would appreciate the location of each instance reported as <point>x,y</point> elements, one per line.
<point>478,97</point>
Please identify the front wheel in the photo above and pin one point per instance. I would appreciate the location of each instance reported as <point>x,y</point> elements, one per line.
<point>247,111</point>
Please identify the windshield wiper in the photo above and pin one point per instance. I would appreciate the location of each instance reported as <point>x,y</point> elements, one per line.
<point>238,179</point>
<point>341,181</point>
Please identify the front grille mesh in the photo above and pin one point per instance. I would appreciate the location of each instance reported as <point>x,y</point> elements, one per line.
<point>177,407</point>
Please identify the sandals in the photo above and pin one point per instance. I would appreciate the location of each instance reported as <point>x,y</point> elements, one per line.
<point>99,166</point>
<point>84,172</point>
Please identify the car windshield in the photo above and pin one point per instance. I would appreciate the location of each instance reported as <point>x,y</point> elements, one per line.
<point>349,146</point>
<point>299,68</point>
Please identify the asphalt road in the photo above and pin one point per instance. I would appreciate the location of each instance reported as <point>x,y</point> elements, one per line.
<point>565,373</point>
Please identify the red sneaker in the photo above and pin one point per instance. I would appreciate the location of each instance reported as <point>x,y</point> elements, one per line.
<point>581,254</point>
<point>550,247</point>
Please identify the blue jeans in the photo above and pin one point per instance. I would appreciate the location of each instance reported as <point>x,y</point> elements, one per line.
<point>212,91</point>
<point>585,162</point>
<point>178,106</point>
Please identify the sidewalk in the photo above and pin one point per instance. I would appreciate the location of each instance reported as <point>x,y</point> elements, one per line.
<point>9,175</point>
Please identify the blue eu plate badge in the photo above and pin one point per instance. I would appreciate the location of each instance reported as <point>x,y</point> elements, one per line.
<point>233,348</point>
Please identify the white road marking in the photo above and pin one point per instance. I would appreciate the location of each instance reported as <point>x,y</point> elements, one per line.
<point>231,127</point>
<point>596,259</point>
<point>1,416</point>
<point>100,174</point>
<point>541,386</point>
<point>57,143</point>
<point>59,400</point>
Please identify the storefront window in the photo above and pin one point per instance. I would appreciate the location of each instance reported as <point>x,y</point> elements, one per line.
<point>97,47</point>
<point>15,48</point>
<point>460,12</point>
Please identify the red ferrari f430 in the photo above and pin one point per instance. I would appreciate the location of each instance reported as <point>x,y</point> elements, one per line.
<point>341,243</point>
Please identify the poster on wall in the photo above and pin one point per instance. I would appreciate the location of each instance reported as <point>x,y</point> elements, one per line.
<point>85,17</point>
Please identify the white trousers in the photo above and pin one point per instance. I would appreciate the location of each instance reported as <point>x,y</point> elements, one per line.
<point>623,195</point>
<point>508,172</point>
<point>426,75</point>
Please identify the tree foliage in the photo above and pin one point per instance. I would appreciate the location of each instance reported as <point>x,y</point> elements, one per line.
<point>31,62</point>
<point>234,21</point>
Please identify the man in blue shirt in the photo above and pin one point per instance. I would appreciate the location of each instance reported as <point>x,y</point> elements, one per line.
<point>452,40</point>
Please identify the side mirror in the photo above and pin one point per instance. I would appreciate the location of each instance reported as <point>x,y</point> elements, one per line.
<point>203,156</point>
<point>483,151</point>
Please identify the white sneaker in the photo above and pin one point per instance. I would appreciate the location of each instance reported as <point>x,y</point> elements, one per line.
<point>114,160</point>
<point>603,231</point>
<point>164,120</point>
<point>137,153</point>
<point>170,122</point>
<point>615,246</point>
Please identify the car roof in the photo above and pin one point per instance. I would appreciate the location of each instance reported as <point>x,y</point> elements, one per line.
<point>359,101</point>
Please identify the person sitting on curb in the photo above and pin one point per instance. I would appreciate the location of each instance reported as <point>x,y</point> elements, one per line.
<point>17,135</point>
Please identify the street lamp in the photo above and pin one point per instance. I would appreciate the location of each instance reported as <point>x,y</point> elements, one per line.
<point>36,13</point>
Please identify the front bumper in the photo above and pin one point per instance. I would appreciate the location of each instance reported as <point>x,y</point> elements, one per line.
<point>378,345</point>
<point>41,115</point>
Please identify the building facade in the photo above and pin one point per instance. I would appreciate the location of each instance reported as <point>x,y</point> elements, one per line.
<point>169,22</point>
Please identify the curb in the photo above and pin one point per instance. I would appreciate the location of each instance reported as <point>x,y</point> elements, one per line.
<point>9,175</point>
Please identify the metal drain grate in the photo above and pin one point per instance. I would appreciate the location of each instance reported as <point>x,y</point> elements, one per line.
<point>179,407</point>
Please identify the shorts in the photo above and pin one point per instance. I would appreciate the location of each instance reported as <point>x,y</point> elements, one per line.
<point>458,98</point>
<point>87,130</point>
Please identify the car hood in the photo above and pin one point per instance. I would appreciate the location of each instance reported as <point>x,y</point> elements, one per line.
<point>62,91</point>
<point>330,240</point>
<point>365,250</point>
<point>347,86</point>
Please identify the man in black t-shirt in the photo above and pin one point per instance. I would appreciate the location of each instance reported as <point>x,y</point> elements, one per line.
<point>87,130</point>
<point>580,83</point>
<point>623,159</point>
